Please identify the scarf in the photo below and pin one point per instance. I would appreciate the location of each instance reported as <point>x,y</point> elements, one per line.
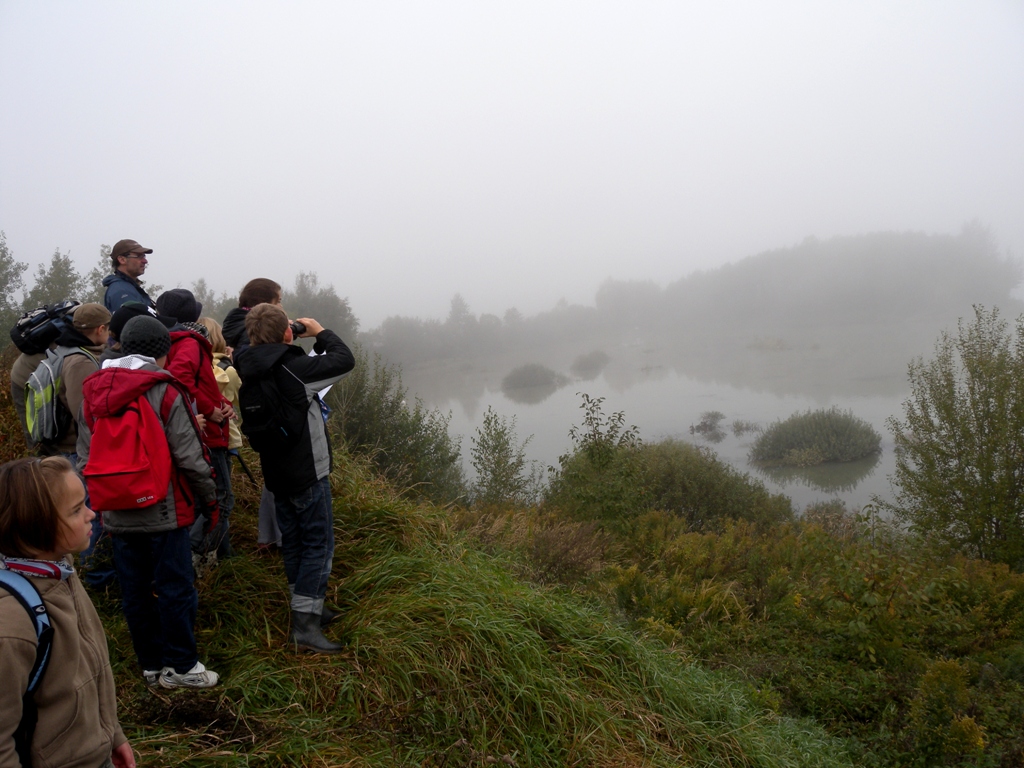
<point>40,569</point>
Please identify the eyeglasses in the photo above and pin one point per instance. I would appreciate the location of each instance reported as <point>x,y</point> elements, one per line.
<point>135,255</point>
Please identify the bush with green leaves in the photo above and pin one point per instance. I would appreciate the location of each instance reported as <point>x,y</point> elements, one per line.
<point>611,475</point>
<point>815,437</point>
<point>960,446</point>
<point>692,482</point>
<point>503,475</point>
<point>599,479</point>
<point>11,280</point>
<point>409,444</point>
<point>916,654</point>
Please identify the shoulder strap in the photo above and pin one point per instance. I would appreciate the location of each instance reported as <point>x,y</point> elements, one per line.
<point>26,594</point>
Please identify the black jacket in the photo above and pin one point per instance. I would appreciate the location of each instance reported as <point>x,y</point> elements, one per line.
<point>234,328</point>
<point>299,377</point>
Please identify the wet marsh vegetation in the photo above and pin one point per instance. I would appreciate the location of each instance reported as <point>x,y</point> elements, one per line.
<point>814,438</point>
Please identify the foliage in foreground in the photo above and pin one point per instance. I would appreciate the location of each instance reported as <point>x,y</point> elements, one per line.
<point>916,656</point>
<point>408,444</point>
<point>503,475</point>
<point>612,476</point>
<point>449,661</point>
<point>815,437</point>
<point>960,447</point>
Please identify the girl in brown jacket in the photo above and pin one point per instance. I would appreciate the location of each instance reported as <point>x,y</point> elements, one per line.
<point>43,522</point>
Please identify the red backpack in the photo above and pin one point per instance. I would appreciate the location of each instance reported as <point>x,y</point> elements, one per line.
<point>129,463</point>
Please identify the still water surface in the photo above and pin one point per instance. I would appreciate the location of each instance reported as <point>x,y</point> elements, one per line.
<point>666,405</point>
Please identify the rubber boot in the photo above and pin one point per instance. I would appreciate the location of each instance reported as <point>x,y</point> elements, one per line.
<point>306,634</point>
<point>327,616</point>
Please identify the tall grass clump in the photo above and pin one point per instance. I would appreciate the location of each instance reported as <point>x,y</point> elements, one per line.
<point>407,442</point>
<point>815,437</point>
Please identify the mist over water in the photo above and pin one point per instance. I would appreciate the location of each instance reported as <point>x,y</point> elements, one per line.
<point>822,324</point>
<point>663,404</point>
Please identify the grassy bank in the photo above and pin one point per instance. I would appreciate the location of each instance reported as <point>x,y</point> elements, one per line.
<point>449,660</point>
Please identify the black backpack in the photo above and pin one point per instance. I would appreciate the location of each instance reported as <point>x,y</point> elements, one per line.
<point>269,420</point>
<point>38,328</point>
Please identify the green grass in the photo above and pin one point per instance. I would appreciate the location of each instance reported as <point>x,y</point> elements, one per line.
<point>449,660</point>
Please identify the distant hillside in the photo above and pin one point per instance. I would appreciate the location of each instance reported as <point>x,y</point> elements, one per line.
<point>809,319</point>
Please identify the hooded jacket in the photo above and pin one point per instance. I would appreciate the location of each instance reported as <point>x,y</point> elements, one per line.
<point>76,699</point>
<point>234,328</point>
<point>288,471</point>
<point>121,289</point>
<point>190,361</point>
<point>107,393</point>
<point>229,382</point>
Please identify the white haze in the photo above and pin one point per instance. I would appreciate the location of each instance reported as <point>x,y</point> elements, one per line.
<point>517,153</point>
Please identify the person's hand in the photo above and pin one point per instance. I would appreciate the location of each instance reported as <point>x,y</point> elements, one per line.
<point>230,352</point>
<point>312,327</point>
<point>222,412</point>
<point>201,421</point>
<point>122,756</point>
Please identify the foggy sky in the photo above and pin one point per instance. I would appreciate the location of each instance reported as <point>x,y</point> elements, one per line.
<point>516,153</point>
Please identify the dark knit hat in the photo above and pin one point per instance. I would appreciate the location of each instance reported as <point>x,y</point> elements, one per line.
<point>145,335</point>
<point>131,309</point>
<point>180,304</point>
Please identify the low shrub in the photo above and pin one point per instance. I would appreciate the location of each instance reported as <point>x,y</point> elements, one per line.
<point>409,444</point>
<point>612,476</point>
<point>815,437</point>
<point>693,483</point>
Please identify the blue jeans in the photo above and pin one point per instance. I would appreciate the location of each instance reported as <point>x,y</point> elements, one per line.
<point>161,624</point>
<point>307,544</point>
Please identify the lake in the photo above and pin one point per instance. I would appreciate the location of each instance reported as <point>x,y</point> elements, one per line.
<point>663,403</point>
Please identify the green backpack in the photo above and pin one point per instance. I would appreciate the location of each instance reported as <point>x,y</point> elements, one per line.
<point>47,419</point>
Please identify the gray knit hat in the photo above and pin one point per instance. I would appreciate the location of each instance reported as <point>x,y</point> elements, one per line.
<point>145,335</point>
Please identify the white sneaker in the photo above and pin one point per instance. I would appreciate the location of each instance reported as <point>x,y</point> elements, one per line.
<point>197,677</point>
<point>152,676</point>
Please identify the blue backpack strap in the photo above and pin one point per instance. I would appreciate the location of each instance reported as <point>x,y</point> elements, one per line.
<point>26,594</point>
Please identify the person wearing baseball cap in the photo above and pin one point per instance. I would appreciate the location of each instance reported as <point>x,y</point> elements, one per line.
<point>128,260</point>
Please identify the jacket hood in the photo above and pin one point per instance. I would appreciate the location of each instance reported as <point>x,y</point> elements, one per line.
<point>72,337</point>
<point>110,390</point>
<point>258,360</point>
<point>234,327</point>
<point>180,332</point>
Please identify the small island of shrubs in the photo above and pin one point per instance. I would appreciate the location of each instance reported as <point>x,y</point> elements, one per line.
<point>815,437</point>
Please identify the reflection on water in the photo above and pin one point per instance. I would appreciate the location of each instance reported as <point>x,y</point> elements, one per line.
<point>664,398</point>
<point>835,477</point>
<point>532,384</point>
